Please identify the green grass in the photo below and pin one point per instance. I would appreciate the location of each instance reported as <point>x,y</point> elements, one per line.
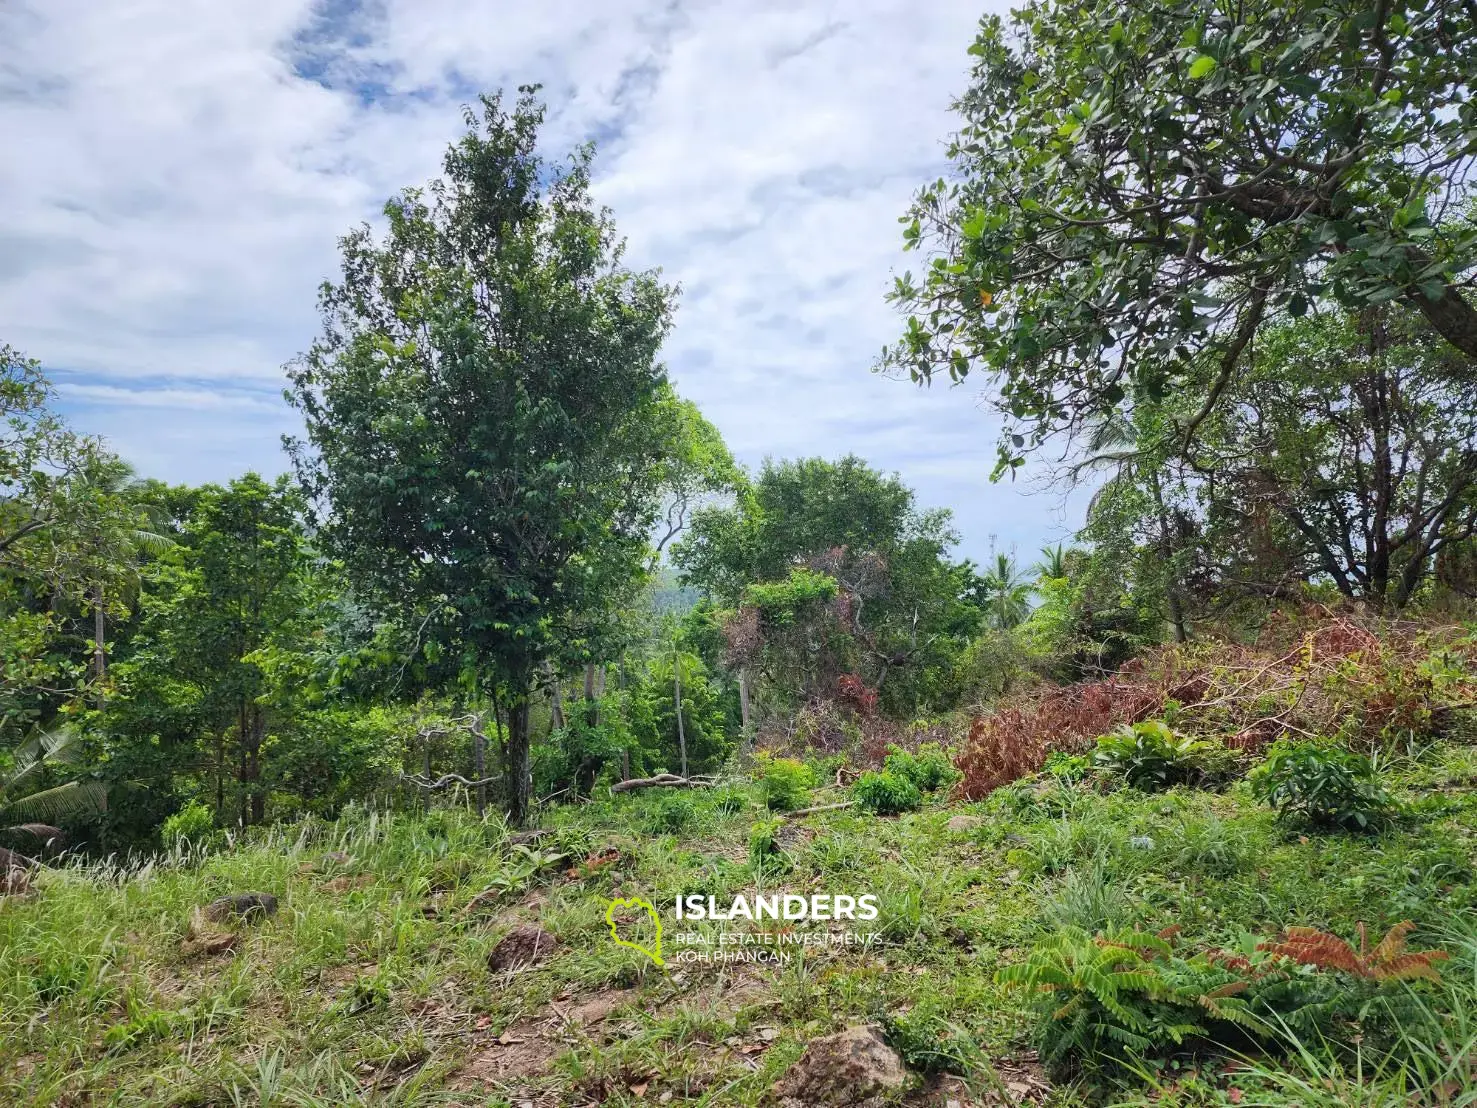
<point>371,984</point>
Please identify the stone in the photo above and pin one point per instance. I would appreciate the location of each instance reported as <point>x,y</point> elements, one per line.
<point>243,906</point>
<point>963,822</point>
<point>849,1067</point>
<point>39,838</point>
<point>525,945</point>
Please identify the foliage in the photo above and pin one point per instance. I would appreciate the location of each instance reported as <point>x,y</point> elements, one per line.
<point>928,767</point>
<point>484,414</point>
<point>765,853</point>
<point>669,815</point>
<point>896,608</point>
<point>192,825</point>
<point>887,793</point>
<point>30,764</point>
<point>1150,756</point>
<point>1388,961</point>
<point>1328,785</point>
<point>1115,223</point>
<point>1113,998</point>
<point>785,783</point>
<point>1067,767</point>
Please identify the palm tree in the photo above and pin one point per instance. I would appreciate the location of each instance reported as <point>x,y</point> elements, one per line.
<point>1008,593</point>
<point>118,550</point>
<point>41,750</point>
<point>1053,562</point>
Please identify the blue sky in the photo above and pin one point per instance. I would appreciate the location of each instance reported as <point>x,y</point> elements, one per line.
<point>188,166</point>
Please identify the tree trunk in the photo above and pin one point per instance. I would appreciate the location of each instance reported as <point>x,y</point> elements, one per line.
<point>519,784</point>
<point>556,701</point>
<point>99,644</point>
<point>254,765</point>
<point>479,767</point>
<point>426,750</point>
<point>744,700</point>
<point>677,696</point>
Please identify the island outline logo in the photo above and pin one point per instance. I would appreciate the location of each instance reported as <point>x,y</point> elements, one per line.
<point>636,902</point>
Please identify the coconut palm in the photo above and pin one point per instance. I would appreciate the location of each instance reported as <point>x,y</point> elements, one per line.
<point>1053,562</point>
<point>42,750</point>
<point>1008,593</point>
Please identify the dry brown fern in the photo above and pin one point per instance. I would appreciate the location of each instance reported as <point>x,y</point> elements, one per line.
<point>1388,961</point>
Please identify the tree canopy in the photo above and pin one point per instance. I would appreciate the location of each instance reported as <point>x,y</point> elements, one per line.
<point>1139,189</point>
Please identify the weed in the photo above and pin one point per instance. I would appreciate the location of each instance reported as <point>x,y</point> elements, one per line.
<point>886,793</point>
<point>1326,785</point>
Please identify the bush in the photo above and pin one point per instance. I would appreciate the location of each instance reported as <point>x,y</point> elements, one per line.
<point>1067,768</point>
<point>1149,756</point>
<point>730,802</point>
<point>929,769</point>
<point>886,793</point>
<point>786,783</point>
<point>1327,785</point>
<point>930,1043</point>
<point>192,825</point>
<point>669,815</point>
<point>765,852</point>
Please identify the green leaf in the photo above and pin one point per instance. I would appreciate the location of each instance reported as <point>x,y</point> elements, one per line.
<point>1201,67</point>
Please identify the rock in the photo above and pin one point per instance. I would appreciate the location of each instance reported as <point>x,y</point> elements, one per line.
<point>962,822</point>
<point>338,858</point>
<point>849,1067</point>
<point>244,906</point>
<point>525,945</point>
<point>15,872</point>
<point>9,860</point>
<point>39,838</point>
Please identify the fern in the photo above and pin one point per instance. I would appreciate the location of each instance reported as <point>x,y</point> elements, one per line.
<point>1388,961</point>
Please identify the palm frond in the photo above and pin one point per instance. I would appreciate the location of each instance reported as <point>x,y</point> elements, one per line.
<point>55,804</point>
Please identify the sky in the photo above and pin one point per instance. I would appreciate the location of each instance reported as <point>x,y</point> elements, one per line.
<point>179,172</point>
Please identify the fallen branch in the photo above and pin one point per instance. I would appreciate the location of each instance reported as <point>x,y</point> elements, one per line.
<point>449,779</point>
<point>662,780</point>
<point>820,808</point>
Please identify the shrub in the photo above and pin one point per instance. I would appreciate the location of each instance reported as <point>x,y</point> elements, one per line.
<point>1067,767</point>
<point>886,793</point>
<point>930,1043</point>
<point>765,852</point>
<point>192,825</point>
<point>929,769</point>
<point>669,815</point>
<point>1110,1000</point>
<point>1327,785</point>
<point>730,801</point>
<point>1150,756</point>
<point>786,783</point>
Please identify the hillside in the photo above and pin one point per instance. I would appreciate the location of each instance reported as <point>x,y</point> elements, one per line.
<point>373,981</point>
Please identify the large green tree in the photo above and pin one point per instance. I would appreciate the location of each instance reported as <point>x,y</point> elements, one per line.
<point>1140,187</point>
<point>808,532</point>
<point>482,409</point>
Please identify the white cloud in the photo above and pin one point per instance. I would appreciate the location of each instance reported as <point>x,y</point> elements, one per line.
<point>189,166</point>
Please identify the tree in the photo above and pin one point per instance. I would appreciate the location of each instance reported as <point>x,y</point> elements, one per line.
<point>483,440</point>
<point>830,568</point>
<point>1141,188</point>
<point>70,532</point>
<point>1008,593</point>
<point>1356,441</point>
<point>21,802</point>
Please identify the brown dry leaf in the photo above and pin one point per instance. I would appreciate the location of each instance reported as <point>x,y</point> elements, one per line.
<point>640,1090</point>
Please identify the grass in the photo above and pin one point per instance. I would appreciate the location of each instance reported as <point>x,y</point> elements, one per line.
<point>371,984</point>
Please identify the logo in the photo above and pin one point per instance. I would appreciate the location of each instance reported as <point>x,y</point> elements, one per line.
<point>635,903</point>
